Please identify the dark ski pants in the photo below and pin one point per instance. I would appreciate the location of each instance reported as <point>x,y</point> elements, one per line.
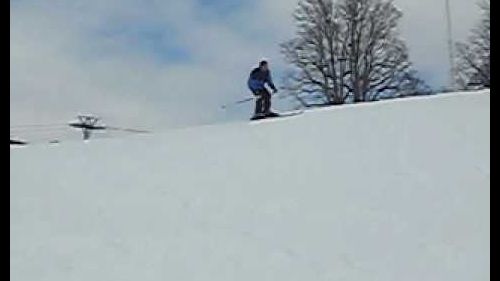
<point>263,102</point>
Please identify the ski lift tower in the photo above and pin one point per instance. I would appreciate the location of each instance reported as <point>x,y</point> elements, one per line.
<point>88,124</point>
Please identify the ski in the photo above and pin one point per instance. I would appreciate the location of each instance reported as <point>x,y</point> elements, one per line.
<point>279,115</point>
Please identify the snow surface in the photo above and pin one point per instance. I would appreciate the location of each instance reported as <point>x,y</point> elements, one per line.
<point>395,190</point>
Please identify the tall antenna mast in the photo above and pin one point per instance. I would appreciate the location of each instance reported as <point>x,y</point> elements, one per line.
<point>450,45</point>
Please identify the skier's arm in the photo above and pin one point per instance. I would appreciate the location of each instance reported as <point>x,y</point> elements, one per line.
<point>270,82</point>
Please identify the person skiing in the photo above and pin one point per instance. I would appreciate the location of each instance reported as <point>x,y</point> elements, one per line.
<point>257,81</point>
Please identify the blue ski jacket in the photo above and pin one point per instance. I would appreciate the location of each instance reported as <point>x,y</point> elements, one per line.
<point>258,79</point>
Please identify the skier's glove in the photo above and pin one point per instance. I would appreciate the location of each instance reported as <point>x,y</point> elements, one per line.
<point>275,91</point>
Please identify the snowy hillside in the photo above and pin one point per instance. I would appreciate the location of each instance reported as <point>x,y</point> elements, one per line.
<point>395,190</point>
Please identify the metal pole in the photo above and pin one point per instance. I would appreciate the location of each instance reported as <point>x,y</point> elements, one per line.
<point>342,72</point>
<point>450,45</point>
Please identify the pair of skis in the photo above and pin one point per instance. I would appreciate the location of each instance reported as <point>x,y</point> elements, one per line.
<point>279,114</point>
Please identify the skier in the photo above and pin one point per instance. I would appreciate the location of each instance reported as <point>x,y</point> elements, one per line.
<point>257,81</point>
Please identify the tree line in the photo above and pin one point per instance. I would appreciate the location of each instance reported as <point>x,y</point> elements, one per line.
<point>352,51</point>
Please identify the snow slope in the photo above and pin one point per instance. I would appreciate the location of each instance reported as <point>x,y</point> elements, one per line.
<point>395,190</point>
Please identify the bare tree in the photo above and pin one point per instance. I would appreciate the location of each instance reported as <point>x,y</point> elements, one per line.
<point>361,33</point>
<point>315,51</point>
<point>378,58</point>
<point>473,56</point>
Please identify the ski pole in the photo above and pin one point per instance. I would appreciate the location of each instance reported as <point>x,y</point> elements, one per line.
<point>279,96</point>
<point>238,102</point>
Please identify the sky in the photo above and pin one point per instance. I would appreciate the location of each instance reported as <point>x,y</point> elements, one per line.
<point>160,64</point>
